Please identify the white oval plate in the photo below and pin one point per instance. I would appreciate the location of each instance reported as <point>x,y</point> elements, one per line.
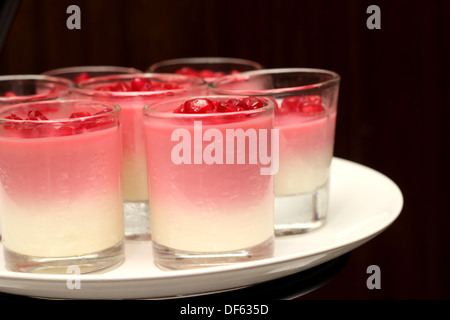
<point>363,203</point>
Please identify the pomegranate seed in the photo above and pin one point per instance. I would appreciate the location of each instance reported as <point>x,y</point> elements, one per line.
<point>253,103</point>
<point>180,109</point>
<point>306,104</point>
<point>79,114</point>
<point>289,104</point>
<point>81,77</point>
<point>237,105</point>
<point>312,108</point>
<point>186,71</point>
<point>9,94</point>
<point>13,117</point>
<point>206,73</point>
<point>10,125</point>
<point>36,115</point>
<point>315,99</point>
<point>165,86</point>
<point>139,83</point>
<point>224,107</point>
<point>121,87</point>
<point>198,106</point>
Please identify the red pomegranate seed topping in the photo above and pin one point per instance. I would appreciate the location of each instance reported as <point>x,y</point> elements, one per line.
<point>163,86</point>
<point>312,108</point>
<point>138,84</point>
<point>204,73</point>
<point>253,103</point>
<point>104,88</point>
<point>79,114</point>
<point>9,94</point>
<point>81,76</point>
<point>13,117</point>
<point>187,71</point>
<point>36,115</point>
<point>289,104</point>
<point>122,87</point>
<point>198,106</point>
<point>41,130</point>
<point>202,105</point>
<point>237,105</point>
<point>311,105</point>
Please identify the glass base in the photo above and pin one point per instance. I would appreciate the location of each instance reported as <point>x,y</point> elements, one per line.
<point>300,213</point>
<point>137,220</point>
<point>96,262</point>
<point>169,259</point>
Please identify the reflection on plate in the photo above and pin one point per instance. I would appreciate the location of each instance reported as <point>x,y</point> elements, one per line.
<point>363,203</point>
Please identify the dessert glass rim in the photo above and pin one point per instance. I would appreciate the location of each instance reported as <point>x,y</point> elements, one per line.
<point>90,68</point>
<point>4,111</point>
<point>82,88</point>
<point>334,78</point>
<point>68,84</point>
<point>152,108</point>
<point>204,60</point>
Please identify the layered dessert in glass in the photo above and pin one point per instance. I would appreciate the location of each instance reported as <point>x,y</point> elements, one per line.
<point>306,118</point>
<point>61,186</point>
<point>132,92</point>
<point>208,68</point>
<point>211,189</point>
<point>29,87</point>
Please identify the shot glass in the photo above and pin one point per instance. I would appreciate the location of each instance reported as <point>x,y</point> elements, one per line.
<point>210,181</point>
<point>61,187</point>
<point>306,118</point>
<point>208,68</point>
<point>30,87</point>
<point>79,73</point>
<point>132,92</point>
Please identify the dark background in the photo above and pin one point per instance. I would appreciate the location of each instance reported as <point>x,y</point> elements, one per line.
<point>393,105</point>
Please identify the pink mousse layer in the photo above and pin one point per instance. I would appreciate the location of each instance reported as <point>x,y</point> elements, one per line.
<point>206,207</point>
<point>306,150</point>
<point>61,195</point>
<point>63,168</point>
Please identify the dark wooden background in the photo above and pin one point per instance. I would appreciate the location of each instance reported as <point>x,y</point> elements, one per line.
<point>393,106</point>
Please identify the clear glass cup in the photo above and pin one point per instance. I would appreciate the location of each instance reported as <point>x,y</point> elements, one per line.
<point>211,192</point>
<point>60,186</point>
<point>79,73</point>
<point>29,87</point>
<point>164,86</point>
<point>208,68</point>
<point>306,118</point>
<point>32,87</point>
